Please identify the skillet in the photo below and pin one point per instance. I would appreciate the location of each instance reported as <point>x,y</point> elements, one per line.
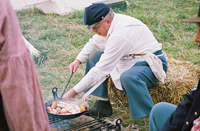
<point>74,101</point>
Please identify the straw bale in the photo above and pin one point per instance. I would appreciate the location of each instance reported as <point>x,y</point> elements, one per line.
<point>181,78</point>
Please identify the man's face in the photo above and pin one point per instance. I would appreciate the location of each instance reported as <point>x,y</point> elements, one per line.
<point>197,35</point>
<point>102,27</point>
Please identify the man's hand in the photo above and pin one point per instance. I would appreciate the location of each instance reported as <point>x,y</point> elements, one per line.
<point>74,66</point>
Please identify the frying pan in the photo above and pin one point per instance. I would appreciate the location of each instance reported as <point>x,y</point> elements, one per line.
<point>63,116</point>
<point>74,101</point>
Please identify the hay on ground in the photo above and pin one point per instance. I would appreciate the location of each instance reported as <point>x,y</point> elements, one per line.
<point>181,78</point>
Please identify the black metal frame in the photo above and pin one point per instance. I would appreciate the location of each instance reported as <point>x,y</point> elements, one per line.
<point>97,124</point>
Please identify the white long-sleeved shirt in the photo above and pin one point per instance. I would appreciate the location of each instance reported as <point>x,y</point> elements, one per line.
<point>126,35</point>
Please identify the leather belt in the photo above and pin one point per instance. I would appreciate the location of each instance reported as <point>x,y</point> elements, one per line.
<point>130,56</point>
<point>137,55</point>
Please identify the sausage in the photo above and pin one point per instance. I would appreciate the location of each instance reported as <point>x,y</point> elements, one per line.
<point>53,111</point>
<point>49,109</point>
<point>63,112</point>
<point>65,108</point>
<point>61,105</point>
<point>54,105</point>
<point>75,111</point>
<point>64,103</point>
<point>58,109</point>
<point>82,107</point>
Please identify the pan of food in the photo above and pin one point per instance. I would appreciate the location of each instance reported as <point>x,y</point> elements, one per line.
<point>68,108</point>
<point>65,108</point>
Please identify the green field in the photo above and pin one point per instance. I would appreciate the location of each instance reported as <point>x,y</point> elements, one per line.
<point>61,38</point>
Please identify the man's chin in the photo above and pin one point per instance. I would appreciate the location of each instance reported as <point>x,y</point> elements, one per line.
<point>100,34</point>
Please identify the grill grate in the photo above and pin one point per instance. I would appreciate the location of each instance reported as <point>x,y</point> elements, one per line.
<point>94,125</point>
<point>85,122</point>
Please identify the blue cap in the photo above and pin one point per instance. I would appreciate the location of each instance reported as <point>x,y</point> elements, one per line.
<point>95,13</point>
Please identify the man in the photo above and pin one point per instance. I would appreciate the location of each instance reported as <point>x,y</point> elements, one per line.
<point>21,102</point>
<point>124,48</point>
<point>168,117</point>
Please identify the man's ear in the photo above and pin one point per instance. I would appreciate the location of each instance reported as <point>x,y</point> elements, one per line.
<point>108,21</point>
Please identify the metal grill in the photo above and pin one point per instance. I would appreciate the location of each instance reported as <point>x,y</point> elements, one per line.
<point>85,122</point>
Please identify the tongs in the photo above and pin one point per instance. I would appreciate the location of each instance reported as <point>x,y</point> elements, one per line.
<point>54,90</point>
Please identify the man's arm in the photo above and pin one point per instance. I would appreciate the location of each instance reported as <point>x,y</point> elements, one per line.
<point>96,43</point>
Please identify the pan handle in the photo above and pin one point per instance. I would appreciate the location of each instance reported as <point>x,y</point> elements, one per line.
<point>93,88</point>
<point>54,91</point>
<point>118,123</point>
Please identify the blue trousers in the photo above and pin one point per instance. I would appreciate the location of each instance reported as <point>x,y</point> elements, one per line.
<point>159,115</point>
<point>135,83</point>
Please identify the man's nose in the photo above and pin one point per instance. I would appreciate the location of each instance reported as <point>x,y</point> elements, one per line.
<point>197,36</point>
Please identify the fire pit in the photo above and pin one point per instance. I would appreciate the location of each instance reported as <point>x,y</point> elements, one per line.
<point>81,122</point>
<point>85,122</point>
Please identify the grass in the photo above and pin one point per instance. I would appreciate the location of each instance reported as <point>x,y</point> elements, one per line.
<point>61,38</point>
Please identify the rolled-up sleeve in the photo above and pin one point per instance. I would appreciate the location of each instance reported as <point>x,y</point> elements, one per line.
<point>114,51</point>
<point>96,43</point>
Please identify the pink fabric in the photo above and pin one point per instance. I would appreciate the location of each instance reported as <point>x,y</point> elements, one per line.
<point>196,125</point>
<point>19,85</point>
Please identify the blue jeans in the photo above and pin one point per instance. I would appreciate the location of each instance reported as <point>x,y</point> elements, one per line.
<point>102,90</point>
<point>135,83</point>
<point>159,115</point>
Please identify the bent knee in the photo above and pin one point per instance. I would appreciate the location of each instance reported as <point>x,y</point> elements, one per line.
<point>162,108</point>
<point>157,107</point>
<point>126,78</point>
<point>95,55</point>
<point>92,55</point>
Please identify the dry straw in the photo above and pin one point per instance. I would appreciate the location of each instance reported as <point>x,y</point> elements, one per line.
<point>181,78</point>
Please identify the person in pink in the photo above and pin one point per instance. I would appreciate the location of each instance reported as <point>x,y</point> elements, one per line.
<point>196,125</point>
<point>21,102</point>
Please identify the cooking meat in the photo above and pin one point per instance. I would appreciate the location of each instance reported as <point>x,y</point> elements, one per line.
<point>65,108</point>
